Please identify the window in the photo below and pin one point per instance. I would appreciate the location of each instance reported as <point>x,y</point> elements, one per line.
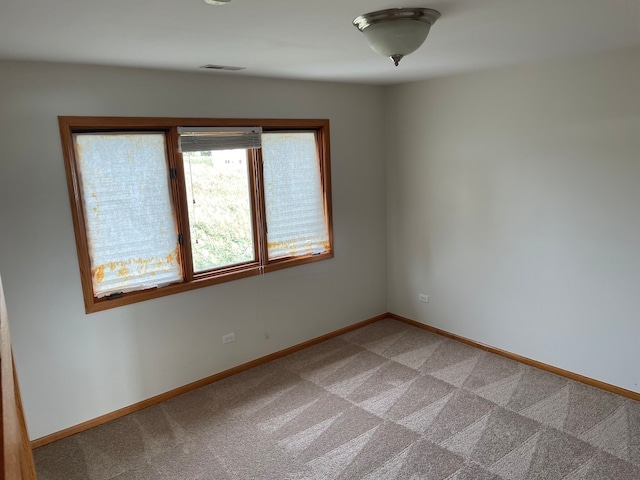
<point>164,205</point>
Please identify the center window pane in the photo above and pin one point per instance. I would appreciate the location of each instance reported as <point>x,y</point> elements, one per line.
<point>219,199</point>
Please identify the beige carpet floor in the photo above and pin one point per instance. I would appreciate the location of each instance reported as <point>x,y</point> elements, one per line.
<point>387,401</point>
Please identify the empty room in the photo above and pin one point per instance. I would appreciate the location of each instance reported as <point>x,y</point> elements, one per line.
<point>243,239</point>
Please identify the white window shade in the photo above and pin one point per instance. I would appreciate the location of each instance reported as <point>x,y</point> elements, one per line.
<point>203,139</point>
<point>130,222</point>
<point>294,199</point>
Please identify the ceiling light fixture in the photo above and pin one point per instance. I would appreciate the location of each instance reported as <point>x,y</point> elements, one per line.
<point>396,32</point>
<point>217,2</point>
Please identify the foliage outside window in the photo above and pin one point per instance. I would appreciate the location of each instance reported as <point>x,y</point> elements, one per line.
<point>164,205</point>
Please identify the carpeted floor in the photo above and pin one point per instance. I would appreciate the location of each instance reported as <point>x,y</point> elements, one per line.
<point>388,401</point>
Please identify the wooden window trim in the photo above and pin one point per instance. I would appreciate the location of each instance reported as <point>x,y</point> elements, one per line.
<point>69,125</point>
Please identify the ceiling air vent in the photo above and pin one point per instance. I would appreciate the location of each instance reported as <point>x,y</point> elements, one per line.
<point>222,67</point>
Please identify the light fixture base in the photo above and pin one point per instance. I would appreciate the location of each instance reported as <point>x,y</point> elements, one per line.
<point>427,15</point>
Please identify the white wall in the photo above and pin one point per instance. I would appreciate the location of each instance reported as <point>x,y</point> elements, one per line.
<point>74,367</point>
<point>514,202</point>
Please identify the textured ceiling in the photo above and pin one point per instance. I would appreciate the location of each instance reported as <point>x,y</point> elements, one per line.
<point>307,39</point>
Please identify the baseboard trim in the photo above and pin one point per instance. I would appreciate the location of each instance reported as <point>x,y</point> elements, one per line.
<point>519,358</point>
<point>67,432</point>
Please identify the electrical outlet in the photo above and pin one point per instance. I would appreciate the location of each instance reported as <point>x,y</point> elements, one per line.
<point>423,298</point>
<point>228,338</point>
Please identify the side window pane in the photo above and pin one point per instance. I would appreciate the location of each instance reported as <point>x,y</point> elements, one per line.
<point>219,201</point>
<point>294,200</point>
<point>129,217</point>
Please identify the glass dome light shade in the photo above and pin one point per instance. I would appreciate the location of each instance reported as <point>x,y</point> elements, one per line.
<point>400,37</point>
<point>396,32</point>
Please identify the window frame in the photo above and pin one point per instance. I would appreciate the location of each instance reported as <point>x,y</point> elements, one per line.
<point>70,125</point>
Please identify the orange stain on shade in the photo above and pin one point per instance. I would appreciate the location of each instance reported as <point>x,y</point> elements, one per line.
<point>98,273</point>
<point>140,264</point>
